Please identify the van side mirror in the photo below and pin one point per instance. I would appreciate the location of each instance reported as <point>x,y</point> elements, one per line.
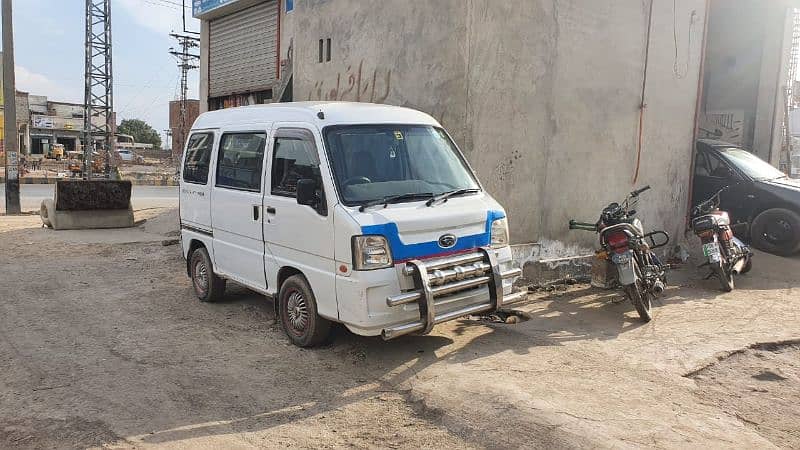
<point>307,192</point>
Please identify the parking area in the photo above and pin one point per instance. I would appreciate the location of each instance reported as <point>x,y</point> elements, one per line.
<point>104,344</point>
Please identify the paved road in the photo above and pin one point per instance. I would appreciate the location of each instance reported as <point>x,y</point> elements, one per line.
<point>143,196</point>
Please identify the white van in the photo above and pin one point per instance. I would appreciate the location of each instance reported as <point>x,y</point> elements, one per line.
<point>362,214</point>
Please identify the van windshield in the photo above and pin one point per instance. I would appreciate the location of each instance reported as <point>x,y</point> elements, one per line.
<point>374,162</point>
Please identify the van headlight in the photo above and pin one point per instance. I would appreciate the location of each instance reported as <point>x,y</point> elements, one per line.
<point>371,252</point>
<point>500,233</point>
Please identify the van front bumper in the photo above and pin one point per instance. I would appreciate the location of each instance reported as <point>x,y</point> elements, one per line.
<point>436,280</point>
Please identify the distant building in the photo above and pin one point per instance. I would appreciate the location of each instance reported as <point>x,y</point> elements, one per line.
<point>42,123</point>
<point>179,134</point>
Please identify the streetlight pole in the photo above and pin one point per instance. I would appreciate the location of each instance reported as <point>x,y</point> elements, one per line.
<point>10,135</point>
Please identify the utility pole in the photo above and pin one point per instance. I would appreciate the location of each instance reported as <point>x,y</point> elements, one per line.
<point>10,136</point>
<point>186,62</point>
<point>99,89</point>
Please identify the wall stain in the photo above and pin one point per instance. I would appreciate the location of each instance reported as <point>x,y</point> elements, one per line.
<point>352,84</point>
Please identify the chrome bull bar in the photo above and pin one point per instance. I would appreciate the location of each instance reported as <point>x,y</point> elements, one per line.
<point>441,277</point>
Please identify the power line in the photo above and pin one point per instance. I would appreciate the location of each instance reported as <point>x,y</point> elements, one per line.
<point>186,62</point>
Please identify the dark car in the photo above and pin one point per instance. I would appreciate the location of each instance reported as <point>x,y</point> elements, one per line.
<point>763,202</point>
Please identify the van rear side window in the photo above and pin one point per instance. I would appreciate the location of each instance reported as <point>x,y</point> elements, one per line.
<point>198,157</point>
<point>240,160</point>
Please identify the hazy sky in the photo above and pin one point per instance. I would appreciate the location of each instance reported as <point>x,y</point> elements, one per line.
<point>49,46</point>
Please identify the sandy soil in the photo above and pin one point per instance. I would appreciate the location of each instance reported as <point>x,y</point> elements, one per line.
<point>761,386</point>
<point>103,344</point>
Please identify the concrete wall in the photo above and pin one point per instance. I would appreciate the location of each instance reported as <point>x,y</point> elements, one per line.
<point>543,96</point>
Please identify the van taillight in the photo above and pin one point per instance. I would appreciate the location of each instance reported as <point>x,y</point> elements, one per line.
<point>618,241</point>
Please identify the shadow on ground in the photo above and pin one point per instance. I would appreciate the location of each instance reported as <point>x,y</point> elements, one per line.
<point>110,337</point>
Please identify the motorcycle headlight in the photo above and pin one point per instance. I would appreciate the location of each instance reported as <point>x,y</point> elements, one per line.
<point>499,233</point>
<point>371,252</point>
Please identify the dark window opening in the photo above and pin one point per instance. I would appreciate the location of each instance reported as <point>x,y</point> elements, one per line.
<point>240,160</point>
<point>321,49</point>
<point>328,50</point>
<point>232,101</point>
<point>198,158</point>
<point>294,158</point>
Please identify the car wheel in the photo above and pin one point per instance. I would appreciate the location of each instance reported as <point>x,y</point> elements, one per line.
<point>297,310</point>
<point>207,286</point>
<point>776,231</point>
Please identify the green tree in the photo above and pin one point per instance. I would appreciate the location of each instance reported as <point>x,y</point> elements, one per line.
<point>141,132</point>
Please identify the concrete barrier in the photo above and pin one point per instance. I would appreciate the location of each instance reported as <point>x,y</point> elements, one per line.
<point>53,180</point>
<point>81,204</point>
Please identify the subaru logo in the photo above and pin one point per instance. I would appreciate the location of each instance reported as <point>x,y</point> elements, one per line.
<point>447,241</point>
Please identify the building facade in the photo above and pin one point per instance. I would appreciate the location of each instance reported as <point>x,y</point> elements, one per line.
<point>42,123</point>
<point>560,106</point>
<point>179,130</point>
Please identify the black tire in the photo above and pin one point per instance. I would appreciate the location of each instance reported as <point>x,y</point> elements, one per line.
<point>297,312</point>
<point>207,286</point>
<point>725,278</point>
<point>776,231</point>
<point>642,301</point>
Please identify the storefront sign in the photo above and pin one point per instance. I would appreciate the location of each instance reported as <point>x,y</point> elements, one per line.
<point>200,7</point>
<point>43,122</point>
<point>723,126</point>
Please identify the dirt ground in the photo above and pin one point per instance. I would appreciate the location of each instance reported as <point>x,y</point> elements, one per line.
<point>102,344</point>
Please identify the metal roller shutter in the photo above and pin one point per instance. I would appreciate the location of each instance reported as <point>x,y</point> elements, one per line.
<point>243,50</point>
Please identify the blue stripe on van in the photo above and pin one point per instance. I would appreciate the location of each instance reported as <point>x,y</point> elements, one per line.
<point>403,252</point>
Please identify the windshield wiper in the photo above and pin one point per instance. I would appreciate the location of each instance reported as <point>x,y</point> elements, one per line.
<point>385,201</point>
<point>446,195</point>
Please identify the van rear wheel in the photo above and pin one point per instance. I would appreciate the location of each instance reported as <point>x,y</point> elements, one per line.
<point>297,309</point>
<point>207,286</point>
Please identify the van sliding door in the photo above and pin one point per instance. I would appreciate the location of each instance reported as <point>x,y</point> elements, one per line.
<point>236,210</point>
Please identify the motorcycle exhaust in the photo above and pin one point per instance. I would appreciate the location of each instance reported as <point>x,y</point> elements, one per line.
<point>658,287</point>
<point>737,268</point>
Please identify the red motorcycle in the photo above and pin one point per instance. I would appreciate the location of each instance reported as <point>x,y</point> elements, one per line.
<point>626,246</point>
<point>726,255</point>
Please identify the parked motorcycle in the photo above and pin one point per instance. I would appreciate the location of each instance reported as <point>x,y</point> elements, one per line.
<point>726,254</point>
<point>625,245</point>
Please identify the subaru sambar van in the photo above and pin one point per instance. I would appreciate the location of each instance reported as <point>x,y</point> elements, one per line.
<point>362,214</point>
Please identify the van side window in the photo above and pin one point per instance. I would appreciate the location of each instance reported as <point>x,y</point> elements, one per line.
<point>240,161</point>
<point>294,158</point>
<point>198,158</point>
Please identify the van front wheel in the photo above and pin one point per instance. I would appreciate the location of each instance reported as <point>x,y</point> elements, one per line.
<point>297,309</point>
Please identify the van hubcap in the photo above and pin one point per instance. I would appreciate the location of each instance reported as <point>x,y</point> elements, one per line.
<point>201,277</point>
<point>297,311</point>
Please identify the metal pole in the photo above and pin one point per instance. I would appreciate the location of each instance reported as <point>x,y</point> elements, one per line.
<point>110,119</point>
<point>10,136</point>
<point>88,136</point>
<point>99,89</point>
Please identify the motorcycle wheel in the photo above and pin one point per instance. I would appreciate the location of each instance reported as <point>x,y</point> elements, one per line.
<point>641,299</point>
<point>725,278</point>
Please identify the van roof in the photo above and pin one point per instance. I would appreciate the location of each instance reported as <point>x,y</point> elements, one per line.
<point>334,113</point>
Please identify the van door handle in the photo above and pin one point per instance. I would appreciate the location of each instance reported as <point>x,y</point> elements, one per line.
<point>270,210</point>
<point>255,212</point>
